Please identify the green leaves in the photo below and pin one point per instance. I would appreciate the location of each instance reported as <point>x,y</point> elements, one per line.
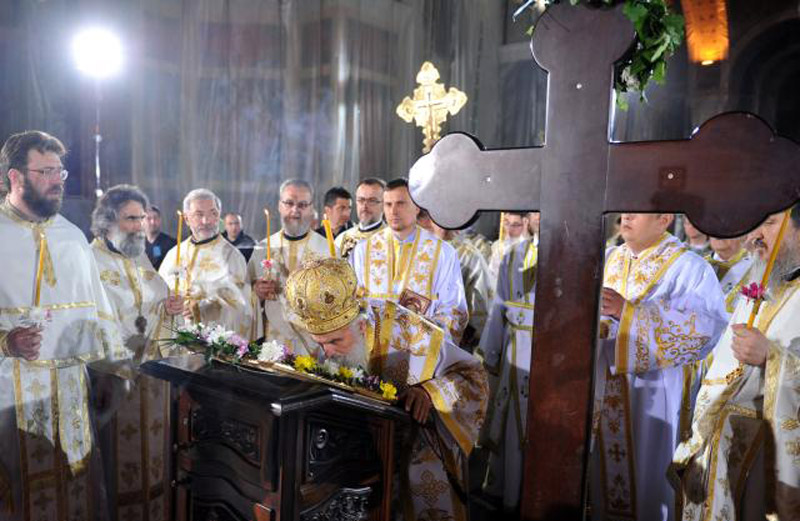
<point>659,33</point>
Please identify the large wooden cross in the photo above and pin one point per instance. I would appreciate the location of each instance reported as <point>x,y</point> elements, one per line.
<point>728,177</point>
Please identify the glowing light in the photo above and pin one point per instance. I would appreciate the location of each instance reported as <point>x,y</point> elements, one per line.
<point>706,30</point>
<point>97,52</point>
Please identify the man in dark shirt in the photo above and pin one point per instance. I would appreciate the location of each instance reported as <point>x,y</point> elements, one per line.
<point>157,244</point>
<point>233,232</point>
<point>338,204</point>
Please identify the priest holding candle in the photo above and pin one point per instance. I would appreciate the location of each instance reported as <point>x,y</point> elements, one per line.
<point>742,453</point>
<point>210,272</point>
<point>278,255</point>
<point>55,318</point>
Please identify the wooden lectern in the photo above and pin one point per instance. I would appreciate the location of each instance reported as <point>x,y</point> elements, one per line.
<point>254,445</point>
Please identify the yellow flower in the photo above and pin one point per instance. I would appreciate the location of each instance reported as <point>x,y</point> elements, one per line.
<point>304,363</point>
<point>345,372</point>
<point>389,390</point>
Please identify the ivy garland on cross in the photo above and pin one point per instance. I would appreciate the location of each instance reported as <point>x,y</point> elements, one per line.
<point>659,33</point>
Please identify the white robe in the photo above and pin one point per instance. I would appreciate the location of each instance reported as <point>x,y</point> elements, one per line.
<point>743,458</point>
<point>674,314</point>
<point>134,432</point>
<point>348,239</point>
<point>499,251</point>
<point>213,275</point>
<point>407,349</point>
<point>506,349</point>
<point>272,318</point>
<point>732,275</point>
<point>478,292</point>
<point>431,269</point>
<point>46,439</point>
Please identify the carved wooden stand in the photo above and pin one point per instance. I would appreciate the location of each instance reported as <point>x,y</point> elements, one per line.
<point>257,446</point>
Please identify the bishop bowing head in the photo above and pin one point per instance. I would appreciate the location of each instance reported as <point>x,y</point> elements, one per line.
<point>323,295</point>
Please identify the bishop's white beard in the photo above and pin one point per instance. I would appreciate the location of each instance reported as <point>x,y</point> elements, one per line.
<point>129,244</point>
<point>357,356</point>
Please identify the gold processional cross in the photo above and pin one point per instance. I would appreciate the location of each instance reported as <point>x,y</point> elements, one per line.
<point>430,105</point>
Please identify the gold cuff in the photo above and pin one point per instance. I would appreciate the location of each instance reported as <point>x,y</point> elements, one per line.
<point>4,344</point>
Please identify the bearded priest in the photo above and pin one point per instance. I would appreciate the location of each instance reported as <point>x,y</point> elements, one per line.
<point>438,381</point>
<point>134,418</point>
<point>294,243</point>
<point>662,310</point>
<point>741,459</point>
<point>211,271</point>
<point>55,318</point>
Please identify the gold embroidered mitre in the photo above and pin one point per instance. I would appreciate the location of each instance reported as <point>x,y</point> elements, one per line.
<point>323,295</point>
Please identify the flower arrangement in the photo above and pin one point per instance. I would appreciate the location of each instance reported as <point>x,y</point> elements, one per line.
<point>217,342</point>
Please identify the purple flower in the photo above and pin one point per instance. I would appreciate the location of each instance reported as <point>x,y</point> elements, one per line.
<point>242,350</point>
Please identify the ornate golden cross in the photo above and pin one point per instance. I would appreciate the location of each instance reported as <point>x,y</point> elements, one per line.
<point>430,105</point>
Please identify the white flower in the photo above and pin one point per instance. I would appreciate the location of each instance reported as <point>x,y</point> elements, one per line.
<point>630,80</point>
<point>271,351</point>
<point>358,373</point>
<point>219,334</point>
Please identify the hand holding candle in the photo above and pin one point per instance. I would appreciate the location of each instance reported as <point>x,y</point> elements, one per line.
<point>329,235</point>
<point>178,253</point>
<point>269,245</point>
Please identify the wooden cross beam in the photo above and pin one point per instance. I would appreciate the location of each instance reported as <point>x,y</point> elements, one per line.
<point>728,177</point>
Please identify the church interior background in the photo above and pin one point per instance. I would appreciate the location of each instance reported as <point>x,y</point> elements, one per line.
<point>234,95</point>
<point>237,95</point>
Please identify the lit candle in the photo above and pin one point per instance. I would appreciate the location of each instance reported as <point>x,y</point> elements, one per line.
<point>178,253</point>
<point>39,269</point>
<point>767,272</point>
<point>329,235</point>
<point>269,245</point>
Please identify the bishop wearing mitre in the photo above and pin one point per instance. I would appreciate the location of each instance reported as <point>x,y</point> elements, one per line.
<point>443,387</point>
<point>210,272</point>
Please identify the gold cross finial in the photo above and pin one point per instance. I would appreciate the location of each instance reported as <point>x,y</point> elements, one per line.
<point>430,105</point>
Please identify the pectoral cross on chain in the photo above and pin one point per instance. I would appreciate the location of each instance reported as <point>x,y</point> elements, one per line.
<point>728,177</point>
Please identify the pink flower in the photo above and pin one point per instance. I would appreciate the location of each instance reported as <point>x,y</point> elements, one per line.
<point>754,291</point>
<point>266,264</point>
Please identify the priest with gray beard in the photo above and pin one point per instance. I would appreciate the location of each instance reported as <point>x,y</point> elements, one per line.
<point>137,405</point>
<point>436,378</point>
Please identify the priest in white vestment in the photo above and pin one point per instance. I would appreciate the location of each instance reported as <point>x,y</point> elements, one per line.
<point>369,208</point>
<point>475,275</point>
<point>134,425</point>
<point>437,380</point>
<point>411,266</point>
<point>731,262</point>
<point>46,439</point>
<point>515,229</point>
<point>662,309</point>
<point>506,350</point>
<point>293,244</point>
<point>212,272</point>
<point>741,461</point>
